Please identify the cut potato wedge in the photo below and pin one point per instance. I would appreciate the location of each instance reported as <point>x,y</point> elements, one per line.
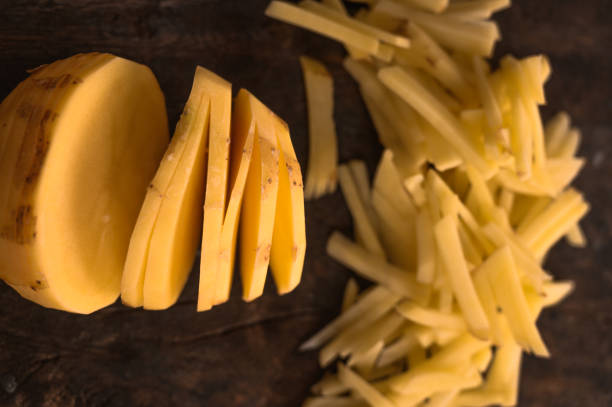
<point>91,123</point>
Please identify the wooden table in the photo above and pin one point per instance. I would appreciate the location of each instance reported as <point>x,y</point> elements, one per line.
<point>245,354</point>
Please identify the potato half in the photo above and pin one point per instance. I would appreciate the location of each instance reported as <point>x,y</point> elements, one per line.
<point>80,140</point>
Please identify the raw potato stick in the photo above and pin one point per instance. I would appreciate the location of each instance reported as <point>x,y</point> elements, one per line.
<point>430,317</point>
<point>351,291</point>
<point>338,5</point>
<point>374,268</point>
<point>350,316</point>
<point>329,385</point>
<point>475,9</point>
<point>362,181</point>
<point>555,131</point>
<point>364,362</point>
<point>381,35</point>
<point>323,150</point>
<point>436,6</point>
<point>426,248</point>
<point>358,210</point>
<point>451,254</point>
<point>397,233</point>
<point>362,387</point>
<point>343,344</point>
<point>427,54</point>
<point>325,26</point>
<point>471,37</point>
<point>576,237</point>
<point>502,274</point>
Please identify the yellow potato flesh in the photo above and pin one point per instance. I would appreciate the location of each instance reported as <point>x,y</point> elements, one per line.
<point>220,93</point>
<point>177,232</point>
<point>241,152</point>
<point>81,180</point>
<point>259,205</point>
<point>136,261</point>
<point>289,236</point>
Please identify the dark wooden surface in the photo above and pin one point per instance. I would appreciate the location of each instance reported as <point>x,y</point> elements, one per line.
<point>245,354</point>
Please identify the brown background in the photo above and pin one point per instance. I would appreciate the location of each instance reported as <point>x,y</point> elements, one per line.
<point>245,354</point>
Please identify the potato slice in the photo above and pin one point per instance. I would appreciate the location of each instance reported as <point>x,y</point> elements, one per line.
<point>80,140</point>
<point>241,153</point>
<point>259,204</point>
<point>219,92</point>
<point>289,236</point>
<point>177,232</point>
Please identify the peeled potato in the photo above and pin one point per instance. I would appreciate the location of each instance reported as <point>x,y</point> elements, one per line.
<point>79,142</point>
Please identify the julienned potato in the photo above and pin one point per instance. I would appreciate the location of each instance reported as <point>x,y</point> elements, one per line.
<point>470,194</point>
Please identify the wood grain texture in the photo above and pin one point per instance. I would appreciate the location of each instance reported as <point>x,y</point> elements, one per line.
<point>245,354</point>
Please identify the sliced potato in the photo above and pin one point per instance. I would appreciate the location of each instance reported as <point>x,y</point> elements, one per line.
<point>241,153</point>
<point>220,94</point>
<point>259,204</point>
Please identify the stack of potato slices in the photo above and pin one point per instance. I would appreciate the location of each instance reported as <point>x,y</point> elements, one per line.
<point>240,167</point>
